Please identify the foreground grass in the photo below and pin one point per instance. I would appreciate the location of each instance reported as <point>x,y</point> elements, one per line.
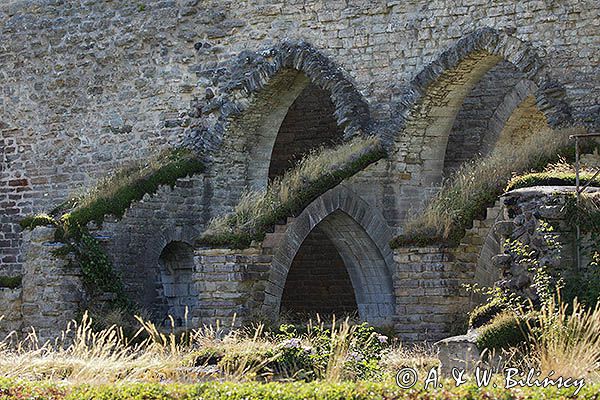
<point>13,389</point>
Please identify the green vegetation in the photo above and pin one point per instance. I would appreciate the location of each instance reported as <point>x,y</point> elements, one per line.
<point>504,331</point>
<point>477,185</point>
<point>10,390</point>
<point>288,196</point>
<point>33,221</point>
<point>550,178</point>
<point>485,313</point>
<point>112,196</point>
<point>10,282</point>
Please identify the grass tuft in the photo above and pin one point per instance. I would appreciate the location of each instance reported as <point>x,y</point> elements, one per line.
<point>476,185</point>
<point>316,173</point>
<point>10,282</point>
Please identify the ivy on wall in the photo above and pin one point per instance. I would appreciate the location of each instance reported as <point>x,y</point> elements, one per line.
<point>113,198</point>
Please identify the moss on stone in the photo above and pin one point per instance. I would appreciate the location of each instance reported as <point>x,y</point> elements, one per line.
<point>10,282</point>
<point>503,331</point>
<point>550,179</point>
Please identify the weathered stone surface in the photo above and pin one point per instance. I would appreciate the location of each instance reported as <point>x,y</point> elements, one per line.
<point>458,352</point>
<point>438,83</point>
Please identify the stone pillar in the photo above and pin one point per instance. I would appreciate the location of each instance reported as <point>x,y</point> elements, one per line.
<point>10,311</point>
<point>52,289</point>
<point>430,300</point>
<point>231,286</point>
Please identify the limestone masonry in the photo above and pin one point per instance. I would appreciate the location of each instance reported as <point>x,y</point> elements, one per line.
<point>90,86</point>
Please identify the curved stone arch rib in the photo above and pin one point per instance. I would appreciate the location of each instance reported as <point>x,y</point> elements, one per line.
<point>513,100</point>
<point>360,235</point>
<point>496,45</point>
<point>251,72</point>
<point>153,251</point>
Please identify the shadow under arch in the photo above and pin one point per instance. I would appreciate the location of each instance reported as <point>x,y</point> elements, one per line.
<point>251,72</point>
<point>360,236</point>
<point>147,288</point>
<point>430,105</point>
<point>264,88</point>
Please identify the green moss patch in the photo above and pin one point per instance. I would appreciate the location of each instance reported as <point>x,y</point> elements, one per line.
<point>550,179</point>
<point>10,282</point>
<point>485,313</point>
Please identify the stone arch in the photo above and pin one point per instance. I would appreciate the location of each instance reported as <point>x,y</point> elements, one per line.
<point>176,288</point>
<point>361,237</point>
<point>253,72</point>
<point>483,113</point>
<point>430,105</point>
<point>150,285</point>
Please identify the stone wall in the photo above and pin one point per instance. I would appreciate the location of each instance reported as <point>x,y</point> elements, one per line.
<point>52,288</point>
<point>85,90</point>
<point>10,304</point>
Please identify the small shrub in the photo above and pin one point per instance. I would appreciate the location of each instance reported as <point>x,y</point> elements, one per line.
<point>504,331</point>
<point>486,312</point>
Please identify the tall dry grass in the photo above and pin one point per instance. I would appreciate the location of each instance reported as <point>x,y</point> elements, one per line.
<point>566,340</point>
<point>256,205</point>
<point>477,184</point>
<point>83,354</point>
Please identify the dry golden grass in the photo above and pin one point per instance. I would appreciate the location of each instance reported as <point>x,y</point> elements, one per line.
<point>255,205</point>
<point>566,340</point>
<point>478,183</point>
<point>85,355</point>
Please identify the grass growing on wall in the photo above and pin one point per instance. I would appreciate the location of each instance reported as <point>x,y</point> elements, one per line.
<point>115,194</point>
<point>112,196</point>
<point>316,173</point>
<point>476,185</point>
<point>10,282</point>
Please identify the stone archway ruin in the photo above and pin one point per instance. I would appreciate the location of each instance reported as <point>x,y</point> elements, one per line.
<point>361,238</point>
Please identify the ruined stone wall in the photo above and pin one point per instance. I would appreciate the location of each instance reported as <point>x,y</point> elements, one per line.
<point>89,85</point>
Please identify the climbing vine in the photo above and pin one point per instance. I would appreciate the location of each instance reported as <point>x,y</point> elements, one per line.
<point>114,197</point>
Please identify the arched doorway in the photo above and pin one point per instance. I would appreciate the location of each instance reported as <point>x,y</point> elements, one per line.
<point>309,124</point>
<point>318,281</point>
<point>177,292</point>
<point>343,225</point>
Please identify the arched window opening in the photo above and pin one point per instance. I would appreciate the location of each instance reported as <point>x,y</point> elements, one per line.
<point>309,124</point>
<point>318,281</point>
<point>176,288</point>
<point>471,135</point>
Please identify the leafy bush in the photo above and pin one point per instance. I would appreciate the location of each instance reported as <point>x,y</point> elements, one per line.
<point>504,331</point>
